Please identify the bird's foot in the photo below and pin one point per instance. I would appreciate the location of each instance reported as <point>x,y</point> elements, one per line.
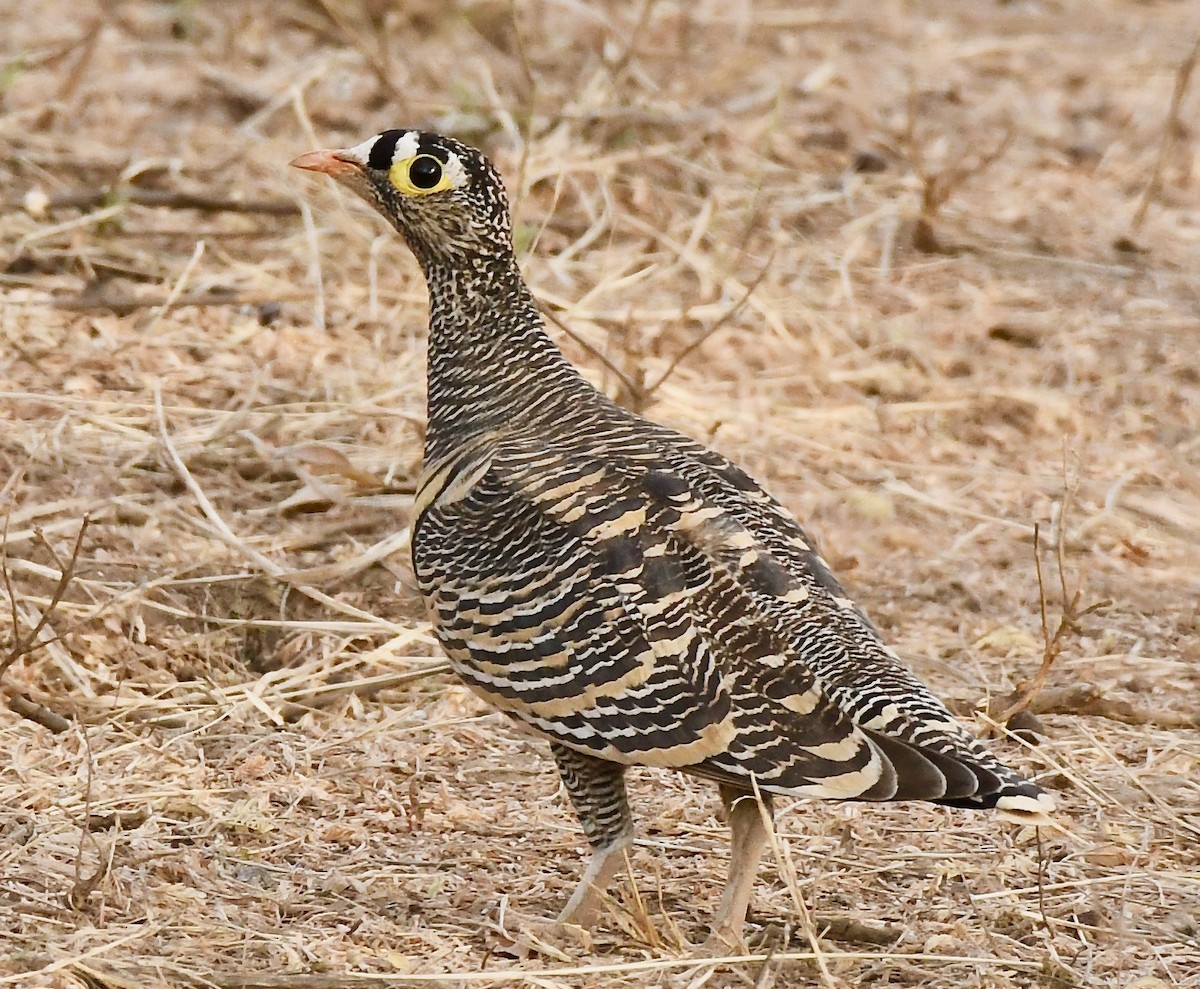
<point>525,936</point>
<point>722,942</point>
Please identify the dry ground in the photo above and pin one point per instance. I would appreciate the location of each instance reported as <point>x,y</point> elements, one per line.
<point>229,752</point>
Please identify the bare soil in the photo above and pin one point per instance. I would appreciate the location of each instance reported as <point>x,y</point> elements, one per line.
<point>930,271</point>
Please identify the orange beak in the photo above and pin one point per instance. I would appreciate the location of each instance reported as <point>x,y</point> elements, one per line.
<point>329,163</point>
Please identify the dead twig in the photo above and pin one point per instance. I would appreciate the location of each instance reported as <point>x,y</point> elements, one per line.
<point>86,884</point>
<point>1088,700</point>
<point>302,980</point>
<point>123,305</point>
<point>937,188</point>
<point>725,317</point>
<point>622,377</point>
<point>1068,622</point>
<point>835,927</point>
<point>172,199</point>
<point>364,27</point>
<point>636,393</point>
<point>86,48</point>
<point>24,644</point>
<point>1171,129</point>
<point>221,530</point>
<point>38,713</point>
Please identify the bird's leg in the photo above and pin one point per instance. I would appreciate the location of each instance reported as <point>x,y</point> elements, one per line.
<point>584,905</point>
<point>749,838</point>
<point>597,791</point>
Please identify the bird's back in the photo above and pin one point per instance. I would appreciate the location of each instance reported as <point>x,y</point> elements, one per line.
<point>636,596</point>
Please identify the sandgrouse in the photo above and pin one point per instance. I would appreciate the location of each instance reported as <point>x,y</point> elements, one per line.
<point>629,593</point>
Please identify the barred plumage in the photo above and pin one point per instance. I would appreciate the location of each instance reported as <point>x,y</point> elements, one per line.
<point>626,591</point>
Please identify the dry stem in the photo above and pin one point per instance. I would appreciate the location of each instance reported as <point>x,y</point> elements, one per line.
<point>1068,623</point>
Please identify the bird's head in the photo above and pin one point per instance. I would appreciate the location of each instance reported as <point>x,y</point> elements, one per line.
<point>446,199</point>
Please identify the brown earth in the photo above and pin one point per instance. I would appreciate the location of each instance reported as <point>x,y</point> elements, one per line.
<point>940,268</point>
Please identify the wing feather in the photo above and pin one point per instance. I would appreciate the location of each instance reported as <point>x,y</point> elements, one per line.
<point>653,605</point>
<point>658,655</point>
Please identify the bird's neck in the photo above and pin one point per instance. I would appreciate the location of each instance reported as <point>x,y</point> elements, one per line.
<point>491,362</point>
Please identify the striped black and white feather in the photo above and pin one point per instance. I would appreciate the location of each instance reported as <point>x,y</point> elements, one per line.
<point>624,590</point>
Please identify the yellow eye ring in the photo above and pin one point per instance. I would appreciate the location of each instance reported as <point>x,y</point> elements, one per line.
<point>419,176</point>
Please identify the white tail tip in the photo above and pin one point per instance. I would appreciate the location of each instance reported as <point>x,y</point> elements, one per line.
<point>1021,808</point>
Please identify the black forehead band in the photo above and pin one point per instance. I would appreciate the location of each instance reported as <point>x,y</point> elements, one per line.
<point>428,144</point>
<point>384,148</point>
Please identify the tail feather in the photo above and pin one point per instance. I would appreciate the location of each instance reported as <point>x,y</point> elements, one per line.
<point>955,771</point>
<point>974,780</point>
<point>923,774</point>
<point>1020,801</point>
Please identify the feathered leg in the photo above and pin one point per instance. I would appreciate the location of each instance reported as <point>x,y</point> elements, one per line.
<point>597,791</point>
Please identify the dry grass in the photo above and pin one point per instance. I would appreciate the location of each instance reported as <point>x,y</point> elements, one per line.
<point>230,756</point>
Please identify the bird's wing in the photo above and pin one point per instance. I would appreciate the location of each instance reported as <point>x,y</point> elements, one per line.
<point>650,604</point>
<point>596,607</point>
<point>828,639</point>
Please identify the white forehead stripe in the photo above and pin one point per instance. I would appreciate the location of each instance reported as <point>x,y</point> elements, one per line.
<point>455,171</point>
<point>406,147</point>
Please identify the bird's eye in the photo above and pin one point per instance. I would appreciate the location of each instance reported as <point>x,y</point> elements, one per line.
<point>425,172</point>
<point>419,176</point>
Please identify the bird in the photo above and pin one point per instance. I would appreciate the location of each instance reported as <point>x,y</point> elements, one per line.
<point>626,591</point>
